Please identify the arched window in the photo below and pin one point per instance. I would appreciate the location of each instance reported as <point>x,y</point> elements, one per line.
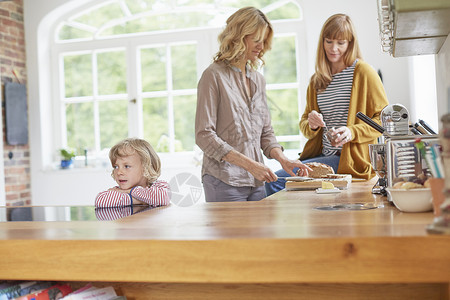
<point>130,68</point>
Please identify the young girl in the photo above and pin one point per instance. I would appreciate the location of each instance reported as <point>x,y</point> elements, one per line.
<point>136,167</point>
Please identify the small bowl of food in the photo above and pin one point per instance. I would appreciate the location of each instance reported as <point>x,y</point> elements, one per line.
<point>411,197</point>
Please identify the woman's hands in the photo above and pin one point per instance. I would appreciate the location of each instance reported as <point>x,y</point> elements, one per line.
<point>315,120</point>
<point>262,172</point>
<point>340,136</point>
<point>288,165</point>
<point>258,170</point>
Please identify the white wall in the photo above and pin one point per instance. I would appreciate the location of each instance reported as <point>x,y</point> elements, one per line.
<point>79,186</point>
<point>443,78</point>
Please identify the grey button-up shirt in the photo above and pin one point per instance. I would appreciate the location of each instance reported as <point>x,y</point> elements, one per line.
<point>227,118</point>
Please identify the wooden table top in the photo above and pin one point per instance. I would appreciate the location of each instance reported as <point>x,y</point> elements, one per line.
<point>286,214</point>
<point>235,242</point>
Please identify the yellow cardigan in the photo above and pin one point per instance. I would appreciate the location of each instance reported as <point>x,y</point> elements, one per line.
<point>369,97</point>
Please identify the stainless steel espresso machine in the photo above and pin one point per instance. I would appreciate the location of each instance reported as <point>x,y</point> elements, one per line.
<point>396,158</point>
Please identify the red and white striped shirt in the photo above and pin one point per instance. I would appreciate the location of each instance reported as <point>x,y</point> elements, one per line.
<point>157,194</point>
<point>113,213</point>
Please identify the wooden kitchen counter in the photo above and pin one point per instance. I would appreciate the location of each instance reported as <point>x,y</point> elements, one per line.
<point>279,248</point>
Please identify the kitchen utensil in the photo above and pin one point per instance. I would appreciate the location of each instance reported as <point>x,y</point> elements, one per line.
<point>414,130</point>
<point>427,127</point>
<point>296,178</point>
<point>377,154</point>
<point>420,128</point>
<point>328,135</point>
<point>370,122</point>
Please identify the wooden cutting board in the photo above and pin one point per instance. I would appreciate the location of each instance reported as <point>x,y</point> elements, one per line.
<point>302,183</point>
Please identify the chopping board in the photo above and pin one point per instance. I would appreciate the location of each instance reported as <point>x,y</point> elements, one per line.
<point>303,183</point>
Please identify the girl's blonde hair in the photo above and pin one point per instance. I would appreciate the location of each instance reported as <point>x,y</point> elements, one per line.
<point>149,159</point>
<point>246,21</point>
<point>337,27</point>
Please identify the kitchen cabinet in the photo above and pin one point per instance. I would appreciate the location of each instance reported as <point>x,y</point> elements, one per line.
<point>282,247</point>
<point>413,27</point>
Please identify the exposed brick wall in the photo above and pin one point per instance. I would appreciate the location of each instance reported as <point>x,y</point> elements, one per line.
<point>12,59</point>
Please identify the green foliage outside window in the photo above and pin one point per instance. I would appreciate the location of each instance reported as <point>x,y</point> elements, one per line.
<point>113,122</point>
<point>80,125</point>
<point>288,11</point>
<point>112,73</point>
<point>280,62</point>
<point>156,124</point>
<point>69,33</point>
<point>102,15</point>
<point>184,113</point>
<point>160,22</point>
<point>283,107</point>
<point>78,75</point>
<point>184,67</point>
<point>281,67</point>
<point>153,69</point>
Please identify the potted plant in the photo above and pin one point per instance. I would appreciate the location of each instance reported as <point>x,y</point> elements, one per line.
<point>67,156</point>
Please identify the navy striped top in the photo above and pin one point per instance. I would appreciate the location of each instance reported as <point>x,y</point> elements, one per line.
<point>333,104</point>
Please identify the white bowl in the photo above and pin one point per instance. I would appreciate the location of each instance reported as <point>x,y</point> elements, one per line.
<point>412,200</point>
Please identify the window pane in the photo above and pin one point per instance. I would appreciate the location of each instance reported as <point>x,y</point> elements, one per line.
<point>287,11</point>
<point>120,17</point>
<point>184,111</point>
<point>284,111</point>
<point>80,126</point>
<point>156,129</point>
<point>164,21</point>
<point>140,6</point>
<point>78,75</point>
<point>184,66</point>
<point>100,16</point>
<point>112,73</point>
<point>290,145</point>
<point>153,64</point>
<point>280,64</point>
<point>113,122</point>
<point>68,32</point>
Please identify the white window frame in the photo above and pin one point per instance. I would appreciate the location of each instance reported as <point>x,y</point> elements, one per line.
<point>206,39</point>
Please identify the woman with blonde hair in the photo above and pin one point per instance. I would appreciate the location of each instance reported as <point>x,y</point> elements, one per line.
<point>342,85</point>
<point>232,122</point>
